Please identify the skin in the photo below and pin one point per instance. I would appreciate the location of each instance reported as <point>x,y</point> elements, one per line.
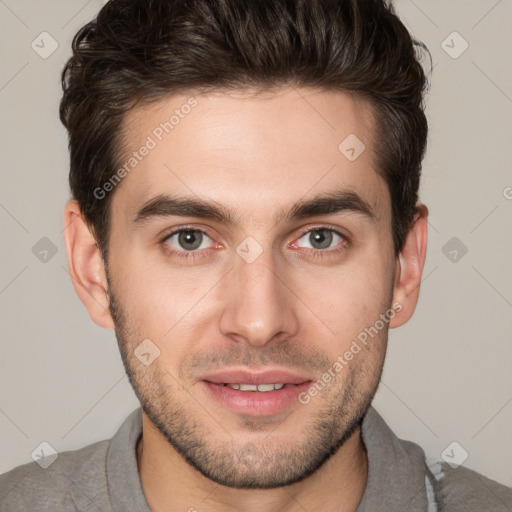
<point>296,306</point>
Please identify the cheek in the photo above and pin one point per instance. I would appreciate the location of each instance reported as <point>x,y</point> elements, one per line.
<point>169,305</point>
<point>346,299</point>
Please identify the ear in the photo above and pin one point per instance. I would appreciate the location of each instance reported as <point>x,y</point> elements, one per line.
<point>409,269</point>
<point>86,266</point>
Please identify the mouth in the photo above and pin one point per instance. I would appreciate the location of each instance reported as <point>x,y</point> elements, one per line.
<point>264,388</point>
<point>255,394</point>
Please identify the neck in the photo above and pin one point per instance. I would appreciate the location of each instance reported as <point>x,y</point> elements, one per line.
<point>169,482</point>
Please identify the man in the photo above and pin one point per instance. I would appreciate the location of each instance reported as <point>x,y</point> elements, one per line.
<point>245,216</point>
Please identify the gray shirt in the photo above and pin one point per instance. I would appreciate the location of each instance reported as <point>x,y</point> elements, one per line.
<point>103,477</point>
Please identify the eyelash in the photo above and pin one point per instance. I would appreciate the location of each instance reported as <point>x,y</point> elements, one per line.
<point>317,253</point>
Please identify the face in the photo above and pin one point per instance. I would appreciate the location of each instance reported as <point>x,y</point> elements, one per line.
<point>248,248</point>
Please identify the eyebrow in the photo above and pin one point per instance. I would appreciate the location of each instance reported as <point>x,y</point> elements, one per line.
<point>329,203</point>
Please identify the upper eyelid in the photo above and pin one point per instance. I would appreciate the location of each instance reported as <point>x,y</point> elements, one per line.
<point>328,228</point>
<point>183,228</point>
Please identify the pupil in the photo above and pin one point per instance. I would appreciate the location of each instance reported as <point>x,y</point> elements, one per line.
<point>318,237</point>
<point>190,238</point>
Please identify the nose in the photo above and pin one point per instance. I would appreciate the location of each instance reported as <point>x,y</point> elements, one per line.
<point>259,305</point>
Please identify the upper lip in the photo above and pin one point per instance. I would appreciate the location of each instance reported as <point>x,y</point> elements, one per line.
<point>274,376</point>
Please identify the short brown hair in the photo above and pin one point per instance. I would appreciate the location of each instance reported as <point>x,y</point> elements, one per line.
<point>140,51</point>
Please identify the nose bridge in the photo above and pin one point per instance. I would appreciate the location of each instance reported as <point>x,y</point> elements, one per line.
<point>257,305</point>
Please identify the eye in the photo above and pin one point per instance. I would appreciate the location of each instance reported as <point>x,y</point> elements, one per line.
<point>322,238</point>
<point>187,240</point>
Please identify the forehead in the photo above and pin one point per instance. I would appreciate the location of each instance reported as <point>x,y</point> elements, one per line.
<point>258,151</point>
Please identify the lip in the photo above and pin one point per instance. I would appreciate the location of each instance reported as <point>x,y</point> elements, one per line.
<point>255,403</point>
<point>239,376</point>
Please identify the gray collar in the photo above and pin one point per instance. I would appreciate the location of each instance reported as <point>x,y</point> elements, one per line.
<point>396,469</point>
<point>123,479</point>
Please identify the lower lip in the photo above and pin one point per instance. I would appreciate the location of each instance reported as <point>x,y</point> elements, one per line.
<point>255,403</point>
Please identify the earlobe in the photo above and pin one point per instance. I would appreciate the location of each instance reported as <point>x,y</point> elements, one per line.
<point>409,268</point>
<point>86,266</point>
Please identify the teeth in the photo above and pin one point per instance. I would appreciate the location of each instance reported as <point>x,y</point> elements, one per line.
<point>248,387</point>
<point>265,387</point>
<point>254,387</point>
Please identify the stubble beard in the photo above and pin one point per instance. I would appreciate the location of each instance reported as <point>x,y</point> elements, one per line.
<point>264,463</point>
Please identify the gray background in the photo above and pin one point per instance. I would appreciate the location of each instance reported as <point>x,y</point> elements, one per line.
<point>447,376</point>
